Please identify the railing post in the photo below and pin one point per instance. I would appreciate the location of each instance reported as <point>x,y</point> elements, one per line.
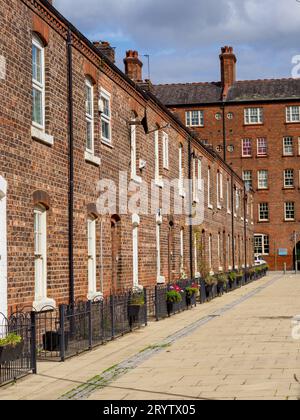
<point>89,308</point>
<point>33,342</point>
<point>146,306</point>
<point>62,331</point>
<point>112,313</point>
<point>156,303</point>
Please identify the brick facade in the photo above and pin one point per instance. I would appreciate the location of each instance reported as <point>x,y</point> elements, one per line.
<point>223,104</point>
<point>39,173</point>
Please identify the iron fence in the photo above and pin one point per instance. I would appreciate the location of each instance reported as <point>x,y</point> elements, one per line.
<point>160,307</point>
<point>17,353</point>
<point>72,329</point>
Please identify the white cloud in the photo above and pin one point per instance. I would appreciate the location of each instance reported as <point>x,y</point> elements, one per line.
<point>184,37</point>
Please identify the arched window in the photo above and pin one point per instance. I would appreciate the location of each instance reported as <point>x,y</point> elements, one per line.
<point>38,83</point>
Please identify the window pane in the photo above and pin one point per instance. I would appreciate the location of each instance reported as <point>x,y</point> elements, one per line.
<point>106,107</point>
<point>89,135</point>
<point>261,147</point>
<point>89,101</point>
<point>37,106</point>
<point>105,130</point>
<point>37,64</point>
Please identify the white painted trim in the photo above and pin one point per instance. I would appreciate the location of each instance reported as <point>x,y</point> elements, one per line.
<point>3,247</point>
<point>41,136</point>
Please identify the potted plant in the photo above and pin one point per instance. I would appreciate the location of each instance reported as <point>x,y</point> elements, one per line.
<point>210,282</point>
<point>222,283</point>
<point>11,348</point>
<point>190,292</point>
<point>52,341</point>
<point>136,301</point>
<point>232,279</point>
<point>239,278</point>
<point>172,296</point>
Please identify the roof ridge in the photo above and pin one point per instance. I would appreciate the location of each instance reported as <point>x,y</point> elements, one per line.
<point>268,80</point>
<point>187,84</point>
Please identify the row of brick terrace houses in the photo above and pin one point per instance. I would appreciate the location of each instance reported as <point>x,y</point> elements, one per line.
<point>69,118</point>
<point>255,126</point>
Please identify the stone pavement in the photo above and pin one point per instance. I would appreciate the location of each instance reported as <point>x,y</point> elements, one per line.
<point>236,347</point>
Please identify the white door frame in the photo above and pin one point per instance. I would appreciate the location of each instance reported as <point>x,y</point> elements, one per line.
<point>3,246</point>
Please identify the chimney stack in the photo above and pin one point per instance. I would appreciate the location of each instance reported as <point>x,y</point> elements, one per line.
<point>133,66</point>
<point>228,69</point>
<point>106,50</point>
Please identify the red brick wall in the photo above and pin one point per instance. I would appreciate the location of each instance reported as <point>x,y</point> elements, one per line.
<point>28,166</point>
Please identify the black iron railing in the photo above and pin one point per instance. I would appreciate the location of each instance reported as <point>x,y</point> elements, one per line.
<point>17,358</point>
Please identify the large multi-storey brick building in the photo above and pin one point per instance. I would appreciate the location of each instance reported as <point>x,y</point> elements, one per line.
<point>69,119</point>
<point>255,126</point>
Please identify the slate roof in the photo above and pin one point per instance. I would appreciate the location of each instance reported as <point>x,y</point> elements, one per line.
<point>247,90</point>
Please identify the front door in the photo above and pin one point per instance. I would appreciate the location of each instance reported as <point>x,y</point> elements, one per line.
<point>3,248</point>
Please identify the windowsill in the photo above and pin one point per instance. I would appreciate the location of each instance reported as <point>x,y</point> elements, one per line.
<point>288,188</point>
<point>95,296</point>
<point>210,206</point>
<point>289,220</point>
<point>161,280</point>
<point>247,157</point>
<point>228,212</point>
<point>262,189</point>
<point>197,275</point>
<point>253,124</point>
<point>44,304</point>
<point>159,183</point>
<point>289,156</point>
<point>137,179</point>
<point>196,200</point>
<point>263,221</point>
<point>91,158</point>
<point>262,156</point>
<point>182,193</point>
<point>107,143</point>
<point>39,135</point>
<point>219,207</point>
<point>292,122</point>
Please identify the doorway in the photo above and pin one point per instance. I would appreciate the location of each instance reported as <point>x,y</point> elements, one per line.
<point>3,247</point>
<point>296,256</point>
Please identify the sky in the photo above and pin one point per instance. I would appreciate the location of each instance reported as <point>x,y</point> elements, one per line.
<point>184,37</point>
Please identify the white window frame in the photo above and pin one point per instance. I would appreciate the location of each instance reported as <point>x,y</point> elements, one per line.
<point>286,210</point>
<point>89,117</point>
<point>133,153</point>
<point>159,278</point>
<point>264,244</point>
<point>189,118</point>
<point>228,197</point>
<point>260,147</point>
<point>39,86</point>
<point>181,249</point>
<point>200,180</point>
<point>180,170</point>
<point>253,116</point>
<point>92,257</point>
<point>165,142</point>
<point>289,175</point>
<point>261,210</point>
<point>249,154</point>
<point>135,250</point>
<point>261,180</point>
<point>248,180</point>
<point>158,177</point>
<point>195,180</point>
<point>290,114</point>
<point>210,262</point>
<point>288,149</point>
<point>209,203</point>
<point>106,118</point>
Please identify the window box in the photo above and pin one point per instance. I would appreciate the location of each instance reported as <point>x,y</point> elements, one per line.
<point>11,352</point>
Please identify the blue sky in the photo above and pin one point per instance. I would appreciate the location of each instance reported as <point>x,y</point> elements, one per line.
<point>184,37</point>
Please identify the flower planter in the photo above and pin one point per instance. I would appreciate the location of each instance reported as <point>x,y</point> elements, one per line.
<point>209,291</point>
<point>220,289</point>
<point>133,311</point>
<point>170,307</point>
<point>52,341</point>
<point>11,353</point>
